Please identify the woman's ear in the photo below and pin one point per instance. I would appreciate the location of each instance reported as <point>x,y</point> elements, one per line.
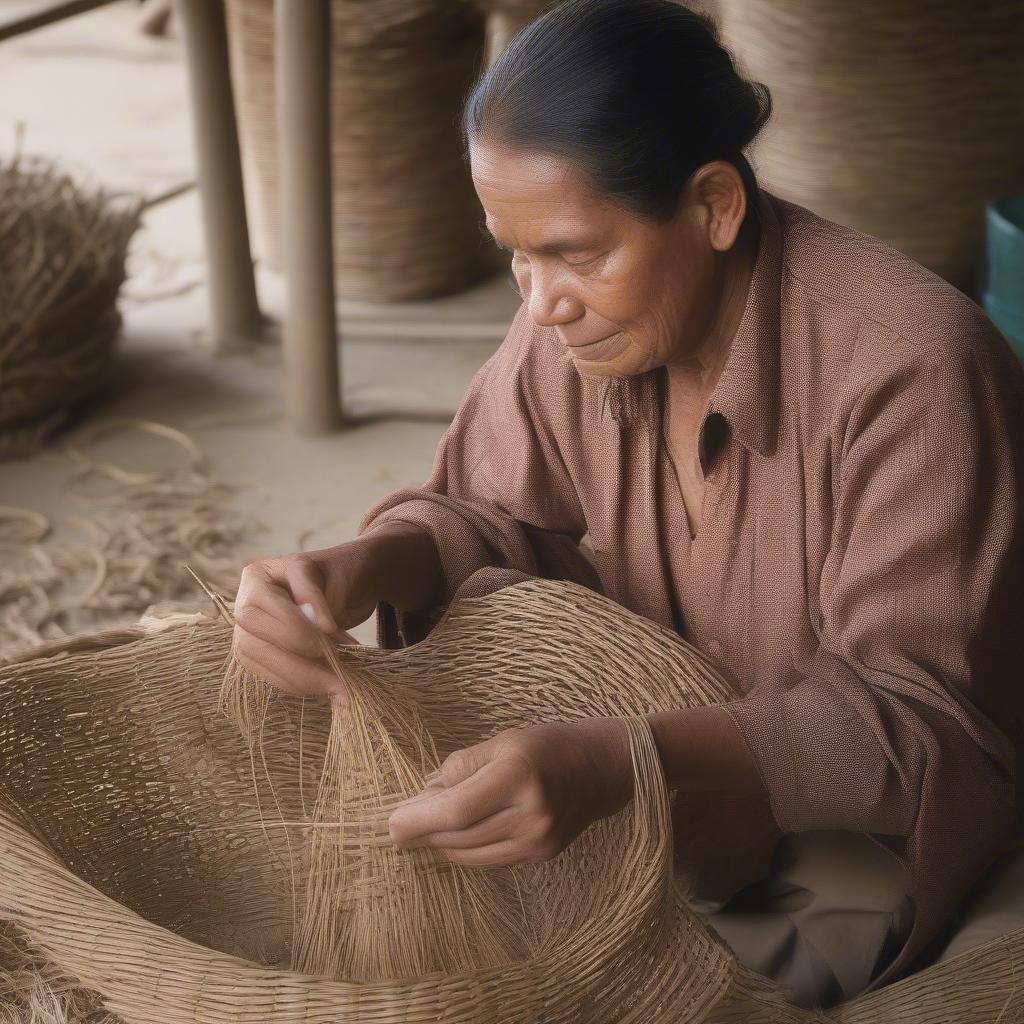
<point>719,191</point>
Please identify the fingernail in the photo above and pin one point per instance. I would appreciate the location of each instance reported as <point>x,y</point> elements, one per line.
<point>327,625</point>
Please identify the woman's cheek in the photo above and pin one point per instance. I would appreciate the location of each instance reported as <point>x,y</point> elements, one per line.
<point>521,272</point>
<point>620,293</point>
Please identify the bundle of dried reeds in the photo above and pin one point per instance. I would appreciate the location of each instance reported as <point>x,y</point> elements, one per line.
<point>62,256</point>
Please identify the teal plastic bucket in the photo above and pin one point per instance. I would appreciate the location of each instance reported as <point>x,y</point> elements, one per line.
<point>1003,291</point>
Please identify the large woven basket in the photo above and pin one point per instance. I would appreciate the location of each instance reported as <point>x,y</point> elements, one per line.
<point>406,218</point>
<point>133,858</point>
<point>62,262</point>
<point>899,119</point>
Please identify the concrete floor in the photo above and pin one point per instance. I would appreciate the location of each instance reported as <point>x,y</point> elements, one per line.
<point>113,104</point>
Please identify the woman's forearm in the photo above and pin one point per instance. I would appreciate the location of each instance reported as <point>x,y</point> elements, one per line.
<point>408,569</point>
<point>702,749</point>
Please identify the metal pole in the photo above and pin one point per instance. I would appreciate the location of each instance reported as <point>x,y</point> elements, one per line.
<point>312,383</point>
<point>234,311</point>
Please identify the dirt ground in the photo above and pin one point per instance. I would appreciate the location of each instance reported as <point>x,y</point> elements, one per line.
<point>112,104</point>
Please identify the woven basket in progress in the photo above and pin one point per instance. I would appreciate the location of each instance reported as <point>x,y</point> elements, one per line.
<point>148,851</point>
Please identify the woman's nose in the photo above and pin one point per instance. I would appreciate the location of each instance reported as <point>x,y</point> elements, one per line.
<point>549,306</point>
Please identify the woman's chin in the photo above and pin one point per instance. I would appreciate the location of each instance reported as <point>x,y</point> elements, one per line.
<point>626,365</point>
<point>612,357</point>
<point>592,369</point>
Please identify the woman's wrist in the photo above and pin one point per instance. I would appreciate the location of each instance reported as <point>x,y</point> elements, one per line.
<point>403,565</point>
<point>608,776</point>
<point>702,749</point>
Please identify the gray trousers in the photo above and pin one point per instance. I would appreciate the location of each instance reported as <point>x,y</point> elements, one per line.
<point>825,922</point>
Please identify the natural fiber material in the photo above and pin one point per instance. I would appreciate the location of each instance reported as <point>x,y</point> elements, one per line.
<point>900,120</point>
<point>62,254</point>
<point>33,991</point>
<point>151,851</point>
<point>405,214</point>
<point>424,915</point>
<point>146,794</point>
<point>124,549</point>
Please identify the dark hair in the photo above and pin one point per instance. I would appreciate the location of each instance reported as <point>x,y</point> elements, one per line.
<point>639,92</point>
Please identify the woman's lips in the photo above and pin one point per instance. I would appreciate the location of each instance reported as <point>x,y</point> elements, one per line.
<point>603,348</point>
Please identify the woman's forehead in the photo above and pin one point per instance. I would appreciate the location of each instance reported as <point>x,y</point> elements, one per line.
<point>509,174</point>
<point>519,189</point>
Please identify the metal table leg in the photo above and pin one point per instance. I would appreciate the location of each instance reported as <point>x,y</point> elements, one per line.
<point>303,105</point>
<point>234,311</point>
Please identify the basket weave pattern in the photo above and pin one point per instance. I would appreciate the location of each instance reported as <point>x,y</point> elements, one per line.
<point>405,213</point>
<point>900,120</point>
<point>133,856</point>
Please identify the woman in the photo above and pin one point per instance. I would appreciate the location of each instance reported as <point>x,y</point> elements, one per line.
<point>777,436</point>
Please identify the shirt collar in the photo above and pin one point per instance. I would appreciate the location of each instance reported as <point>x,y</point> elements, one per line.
<point>746,393</point>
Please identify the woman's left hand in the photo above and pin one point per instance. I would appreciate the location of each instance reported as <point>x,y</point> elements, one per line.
<point>522,795</point>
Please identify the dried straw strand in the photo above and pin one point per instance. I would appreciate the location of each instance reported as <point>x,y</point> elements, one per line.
<point>371,911</point>
<point>128,554</point>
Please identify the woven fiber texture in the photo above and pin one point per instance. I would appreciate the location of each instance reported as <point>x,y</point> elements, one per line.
<point>62,262</point>
<point>405,213</point>
<point>165,855</point>
<point>900,120</point>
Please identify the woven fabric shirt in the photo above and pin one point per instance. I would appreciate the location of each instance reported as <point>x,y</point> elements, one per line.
<point>857,573</point>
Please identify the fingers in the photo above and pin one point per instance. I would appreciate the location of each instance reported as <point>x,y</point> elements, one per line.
<point>496,855</point>
<point>495,829</point>
<point>484,793</point>
<point>282,619</point>
<point>283,669</point>
<point>280,628</point>
<point>268,605</point>
<point>306,583</point>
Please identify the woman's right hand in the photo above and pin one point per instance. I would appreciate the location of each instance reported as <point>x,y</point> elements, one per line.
<point>272,636</point>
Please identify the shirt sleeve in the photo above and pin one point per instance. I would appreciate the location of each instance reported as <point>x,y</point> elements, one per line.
<point>879,730</point>
<point>498,493</point>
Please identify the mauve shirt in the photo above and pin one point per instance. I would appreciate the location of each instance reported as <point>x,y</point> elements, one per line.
<point>857,574</point>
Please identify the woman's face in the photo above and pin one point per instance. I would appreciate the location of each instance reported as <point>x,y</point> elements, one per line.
<point>624,295</point>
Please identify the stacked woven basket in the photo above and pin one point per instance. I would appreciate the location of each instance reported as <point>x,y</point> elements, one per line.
<point>406,217</point>
<point>901,120</point>
<point>405,214</point>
